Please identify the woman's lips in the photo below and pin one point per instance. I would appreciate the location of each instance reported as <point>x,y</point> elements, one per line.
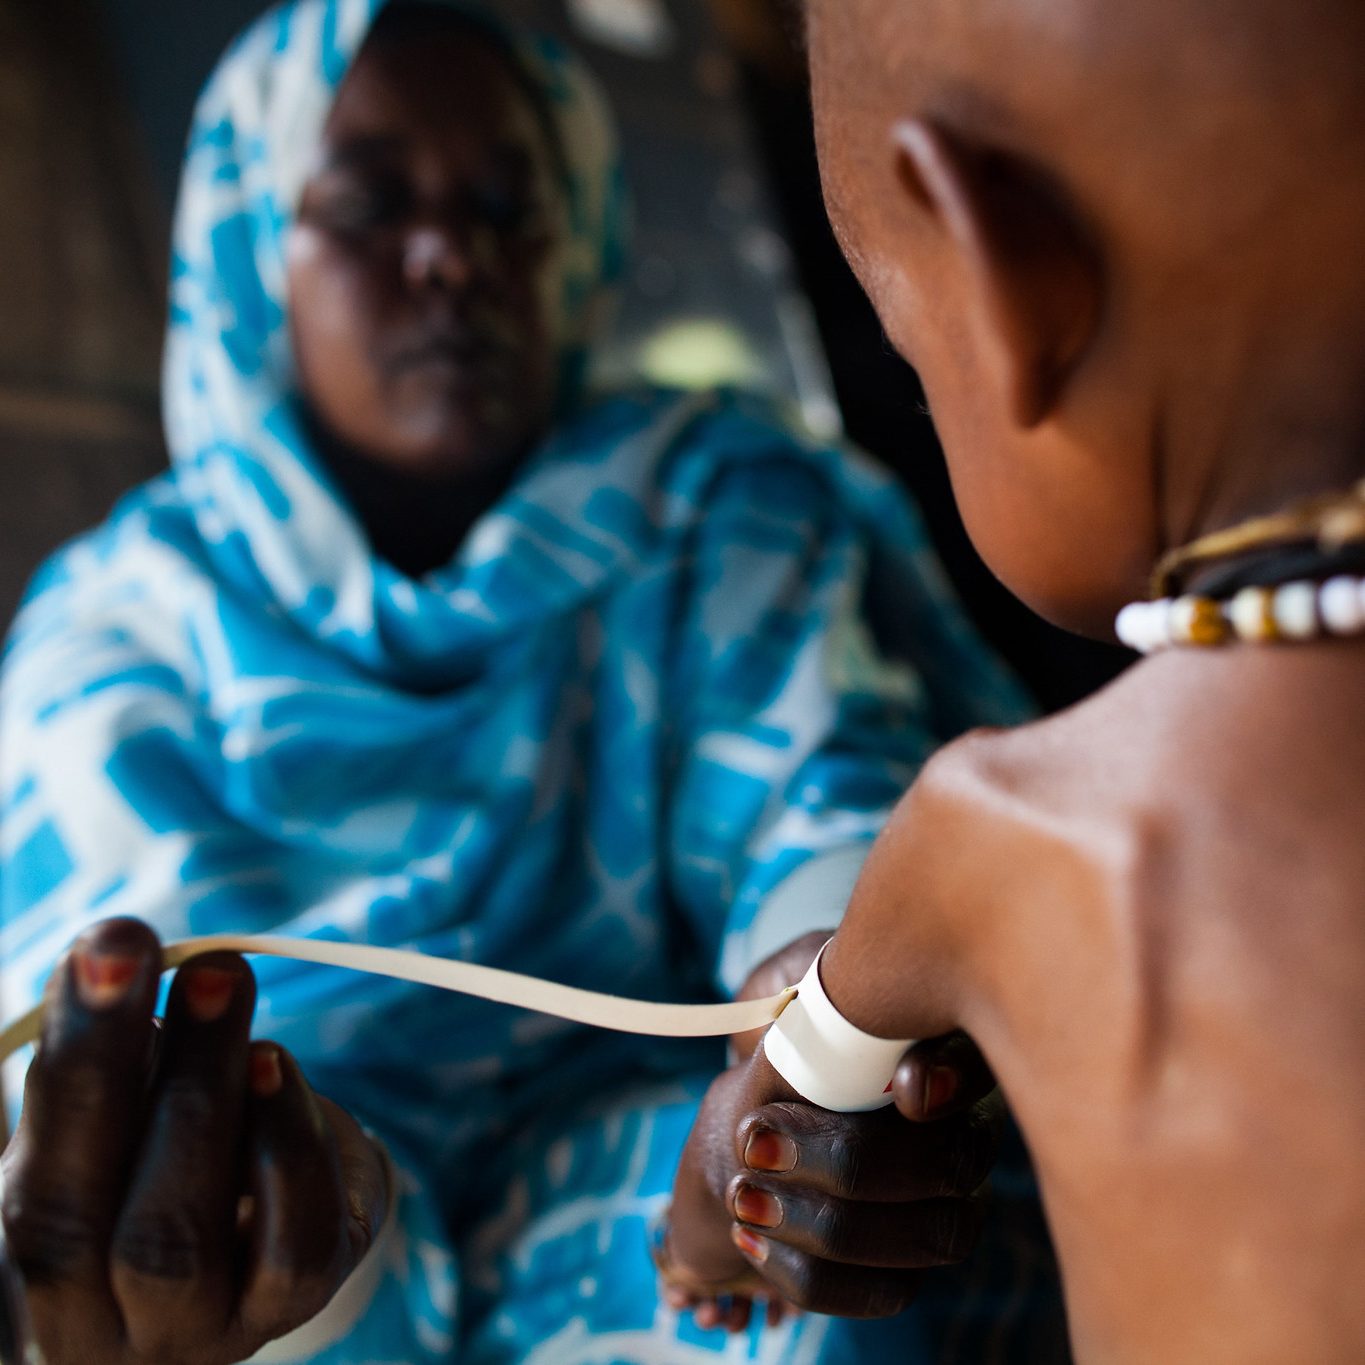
<point>466,356</point>
<point>471,359</point>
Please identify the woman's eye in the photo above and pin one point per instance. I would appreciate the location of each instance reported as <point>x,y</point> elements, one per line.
<point>507,211</point>
<point>353,208</point>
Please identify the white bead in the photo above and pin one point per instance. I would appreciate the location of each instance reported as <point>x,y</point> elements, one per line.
<point>1131,626</point>
<point>1360,588</point>
<point>1296,611</point>
<point>1145,626</point>
<point>1342,606</point>
<point>1246,611</point>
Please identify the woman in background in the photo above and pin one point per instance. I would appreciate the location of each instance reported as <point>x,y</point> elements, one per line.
<point>418,644</point>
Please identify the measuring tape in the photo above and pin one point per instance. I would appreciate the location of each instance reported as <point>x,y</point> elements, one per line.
<point>813,1047</point>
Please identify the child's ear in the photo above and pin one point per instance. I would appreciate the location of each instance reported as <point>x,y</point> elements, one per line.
<point>1034,279</point>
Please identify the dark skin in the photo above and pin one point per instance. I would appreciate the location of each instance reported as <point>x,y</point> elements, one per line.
<point>181,1197</point>
<point>425,283</point>
<point>1129,291</point>
<point>425,274</point>
<point>838,1213</point>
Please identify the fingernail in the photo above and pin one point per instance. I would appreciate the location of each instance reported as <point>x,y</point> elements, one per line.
<point>676,1297</point>
<point>707,1314</point>
<point>103,979</point>
<point>754,1247</point>
<point>940,1085</point>
<point>769,1151</point>
<point>267,1076</point>
<point>756,1206</point>
<point>208,992</point>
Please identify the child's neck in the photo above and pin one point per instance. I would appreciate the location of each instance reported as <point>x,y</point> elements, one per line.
<point>1256,461</point>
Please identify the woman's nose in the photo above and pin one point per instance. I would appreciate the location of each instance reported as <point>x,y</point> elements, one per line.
<point>440,256</point>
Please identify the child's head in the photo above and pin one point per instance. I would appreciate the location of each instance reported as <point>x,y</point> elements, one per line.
<point>1123,244</point>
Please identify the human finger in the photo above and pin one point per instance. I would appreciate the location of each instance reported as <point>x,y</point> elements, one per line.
<point>314,1213</point>
<point>872,1157</point>
<point>904,1236</point>
<point>364,1175</point>
<point>709,1310</point>
<point>821,1286</point>
<point>175,1248</point>
<point>779,1310</point>
<point>737,1313</point>
<point>940,1077</point>
<point>66,1168</point>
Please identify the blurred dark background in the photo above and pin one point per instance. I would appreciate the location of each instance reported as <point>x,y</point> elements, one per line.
<point>736,275</point>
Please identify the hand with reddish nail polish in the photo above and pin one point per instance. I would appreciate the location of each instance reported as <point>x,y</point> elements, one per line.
<point>191,1200</point>
<point>777,1200</point>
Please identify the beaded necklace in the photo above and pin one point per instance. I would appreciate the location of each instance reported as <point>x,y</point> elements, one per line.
<point>1295,576</point>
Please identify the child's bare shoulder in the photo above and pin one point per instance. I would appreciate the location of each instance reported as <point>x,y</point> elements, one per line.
<point>1167,971</point>
<point>1198,820</point>
<point>1187,755</point>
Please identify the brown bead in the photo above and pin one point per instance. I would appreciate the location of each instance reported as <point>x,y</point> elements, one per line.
<point>1198,621</point>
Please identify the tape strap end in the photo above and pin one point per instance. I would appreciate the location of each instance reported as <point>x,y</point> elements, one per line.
<point>827,1060</point>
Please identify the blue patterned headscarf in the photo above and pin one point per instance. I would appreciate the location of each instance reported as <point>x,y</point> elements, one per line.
<point>262,500</point>
<point>687,658</point>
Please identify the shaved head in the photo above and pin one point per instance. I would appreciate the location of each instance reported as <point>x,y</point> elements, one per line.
<point>1205,155</point>
<point>1210,113</point>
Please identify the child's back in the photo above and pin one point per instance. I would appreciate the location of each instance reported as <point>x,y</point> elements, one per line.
<point>1122,245</point>
<point>1165,962</point>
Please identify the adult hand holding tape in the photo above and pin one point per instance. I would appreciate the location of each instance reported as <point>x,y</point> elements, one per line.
<point>813,1048</point>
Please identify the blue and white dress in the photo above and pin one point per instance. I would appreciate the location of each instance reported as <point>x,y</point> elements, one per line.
<point>685,663</point>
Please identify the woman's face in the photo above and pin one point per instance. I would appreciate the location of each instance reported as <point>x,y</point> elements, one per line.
<point>426,264</point>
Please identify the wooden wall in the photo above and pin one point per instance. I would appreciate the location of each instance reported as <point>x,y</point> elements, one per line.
<point>80,299</point>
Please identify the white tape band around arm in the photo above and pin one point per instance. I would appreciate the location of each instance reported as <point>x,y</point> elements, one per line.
<point>827,1060</point>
